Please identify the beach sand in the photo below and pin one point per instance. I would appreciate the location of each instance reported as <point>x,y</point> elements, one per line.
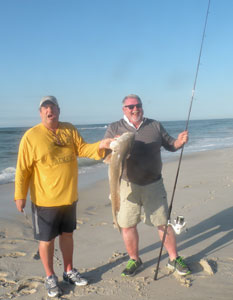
<point>203,196</point>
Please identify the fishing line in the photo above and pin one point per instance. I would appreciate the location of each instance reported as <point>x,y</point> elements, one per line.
<point>182,149</point>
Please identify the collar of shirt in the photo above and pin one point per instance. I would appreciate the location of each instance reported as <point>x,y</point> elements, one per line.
<point>131,124</point>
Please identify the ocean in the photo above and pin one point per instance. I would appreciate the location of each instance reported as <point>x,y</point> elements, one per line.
<point>203,135</point>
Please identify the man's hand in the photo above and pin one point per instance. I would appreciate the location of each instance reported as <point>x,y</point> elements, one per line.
<point>105,144</point>
<point>20,204</point>
<point>181,140</point>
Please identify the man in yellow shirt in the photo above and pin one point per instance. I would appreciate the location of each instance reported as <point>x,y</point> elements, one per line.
<point>47,164</point>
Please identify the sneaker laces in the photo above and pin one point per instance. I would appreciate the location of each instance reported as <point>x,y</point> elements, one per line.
<point>52,282</point>
<point>130,263</point>
<point>73,274</point>
<point>180,261</point>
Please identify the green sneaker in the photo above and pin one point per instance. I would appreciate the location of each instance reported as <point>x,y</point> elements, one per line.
<point>179,266</point>
<point>132,267</point>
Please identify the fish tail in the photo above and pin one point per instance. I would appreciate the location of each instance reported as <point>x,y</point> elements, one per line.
<point>116,223</point>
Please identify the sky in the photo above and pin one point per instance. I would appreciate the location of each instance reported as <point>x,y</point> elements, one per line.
<point>90,54</point>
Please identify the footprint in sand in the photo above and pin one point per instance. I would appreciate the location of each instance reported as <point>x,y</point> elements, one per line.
<point>24,287</point>
<point>13,254</point>
<point>201,268</point>
<point>79,221</point>
<point>5,282</point>
<point>2,235</point>
<point>8,245</point>
<point>27,287</point>
<point>91,210</point>
<point>90,213</point>
<point>117,255</point>
<point>187,186</point>
<point>99,224</point>
<point>82,221</point>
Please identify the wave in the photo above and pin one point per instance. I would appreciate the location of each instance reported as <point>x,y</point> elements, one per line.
<point>91,128</point>
<point>86,165</point>
<point>87,162</point>
<point>203,135</point>
<point>7,175</point>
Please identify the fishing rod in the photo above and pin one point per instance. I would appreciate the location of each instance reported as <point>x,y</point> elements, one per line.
<point>182,149</point>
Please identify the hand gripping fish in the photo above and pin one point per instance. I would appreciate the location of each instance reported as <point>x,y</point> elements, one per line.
<point>120,151</point>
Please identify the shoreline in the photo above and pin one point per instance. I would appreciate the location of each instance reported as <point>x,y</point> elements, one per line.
<point>203,196</point>
<point>99,178</point>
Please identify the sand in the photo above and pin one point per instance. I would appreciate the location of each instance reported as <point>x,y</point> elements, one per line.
<point>203,196</point>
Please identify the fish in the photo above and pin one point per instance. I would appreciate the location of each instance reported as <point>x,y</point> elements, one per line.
<point>120,147</point>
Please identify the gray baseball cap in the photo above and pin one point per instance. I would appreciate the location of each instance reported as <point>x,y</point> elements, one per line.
<point>51,99</point>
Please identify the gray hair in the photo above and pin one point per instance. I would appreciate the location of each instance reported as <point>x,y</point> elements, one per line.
<point>132,96</point>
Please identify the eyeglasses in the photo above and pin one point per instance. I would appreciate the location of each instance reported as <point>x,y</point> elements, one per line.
<point>131,106</point>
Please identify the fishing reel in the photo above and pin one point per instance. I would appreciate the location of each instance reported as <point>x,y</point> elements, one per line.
<point>179,224</point>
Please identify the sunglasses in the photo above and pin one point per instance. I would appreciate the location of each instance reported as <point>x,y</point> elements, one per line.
<point>131,106</point>
<point>58,141</point>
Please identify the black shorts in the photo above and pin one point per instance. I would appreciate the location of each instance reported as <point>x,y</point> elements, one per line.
<point>49,222</point>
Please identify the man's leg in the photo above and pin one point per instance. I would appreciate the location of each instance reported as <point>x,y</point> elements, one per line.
<point>46,250</point>
<point>128,218</point>
<point>175,262</point>
<point>67,246</point>
<point>170,241</point>
<point>70,275</point>
<point>131,240</point>
<point>156,211</point>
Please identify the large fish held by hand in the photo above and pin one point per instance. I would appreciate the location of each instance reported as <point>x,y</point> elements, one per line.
<point>120,152</point>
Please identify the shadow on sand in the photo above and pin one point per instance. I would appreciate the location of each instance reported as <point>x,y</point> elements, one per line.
<point>221,222</point>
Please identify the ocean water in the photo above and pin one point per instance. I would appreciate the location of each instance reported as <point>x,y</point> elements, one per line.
<point>203,135</point>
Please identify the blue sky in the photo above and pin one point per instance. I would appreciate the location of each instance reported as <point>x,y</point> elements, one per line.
<point>91,53</point>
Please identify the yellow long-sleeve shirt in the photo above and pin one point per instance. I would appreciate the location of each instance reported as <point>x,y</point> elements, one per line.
<point>47,163</point>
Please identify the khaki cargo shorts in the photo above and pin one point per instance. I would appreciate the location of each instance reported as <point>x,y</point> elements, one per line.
<point>153,199</point>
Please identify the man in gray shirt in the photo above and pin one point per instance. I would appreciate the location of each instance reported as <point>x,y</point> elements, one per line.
<point>142,183</point>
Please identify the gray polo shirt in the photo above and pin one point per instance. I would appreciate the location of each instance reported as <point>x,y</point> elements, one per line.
<point>144,165</point>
